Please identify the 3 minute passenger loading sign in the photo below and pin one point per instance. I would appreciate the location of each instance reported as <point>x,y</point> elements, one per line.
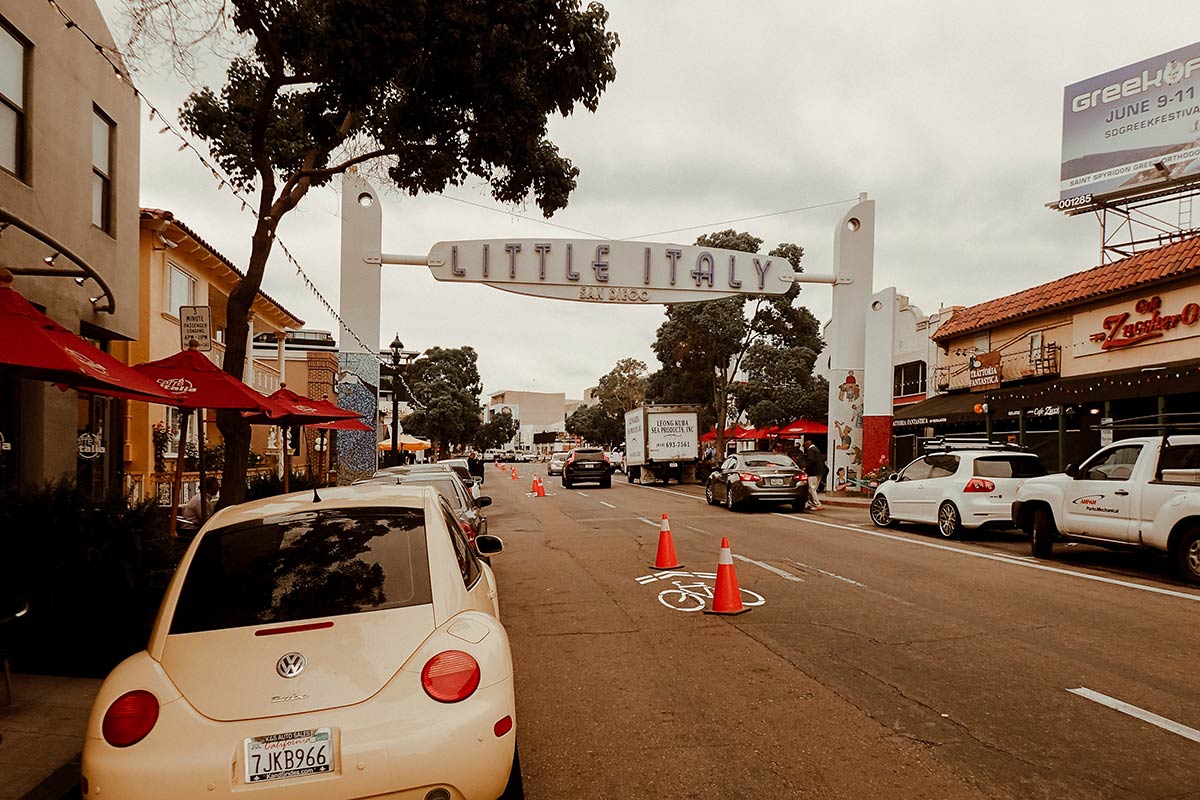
<point>607,271</point>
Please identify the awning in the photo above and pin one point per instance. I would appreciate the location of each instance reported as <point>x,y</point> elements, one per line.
<point>943,409</point>
<point>1181,377</point>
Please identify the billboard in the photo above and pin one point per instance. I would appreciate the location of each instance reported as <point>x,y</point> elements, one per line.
<point>1131,130</point>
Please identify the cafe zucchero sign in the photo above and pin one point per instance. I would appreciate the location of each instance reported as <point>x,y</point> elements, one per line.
<point>1144,322</point>
<point>605,271</point>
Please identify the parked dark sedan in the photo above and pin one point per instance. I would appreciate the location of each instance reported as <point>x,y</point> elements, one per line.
<point>587,464</point>
<point>755,476</point>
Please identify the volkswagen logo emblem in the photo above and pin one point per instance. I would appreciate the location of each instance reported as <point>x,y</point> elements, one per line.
<point>290,665</point>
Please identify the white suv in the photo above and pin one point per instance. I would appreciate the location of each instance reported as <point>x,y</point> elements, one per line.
<point>956,488</point>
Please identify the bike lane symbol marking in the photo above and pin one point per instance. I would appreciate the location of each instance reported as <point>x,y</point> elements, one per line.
<point>696,593</point>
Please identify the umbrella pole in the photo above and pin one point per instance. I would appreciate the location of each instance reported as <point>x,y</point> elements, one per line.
<point>321,461</point>
<point>177,484</point>
<point>287,458</point>
<point>200,464</point>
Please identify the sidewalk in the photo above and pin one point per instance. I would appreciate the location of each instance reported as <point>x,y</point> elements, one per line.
<point>41,732</point>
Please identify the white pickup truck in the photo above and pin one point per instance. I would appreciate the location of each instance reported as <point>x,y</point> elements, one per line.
<point>1140,492</point>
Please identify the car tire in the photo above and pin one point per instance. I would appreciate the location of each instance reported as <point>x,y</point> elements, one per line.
<point>1187,555</point>
<point>949,520</point>
<point>606,483</point>
<point>514,789</point>
<point>566,483</point>
<point>730,503</point>
<point>709,497</point>
<point>1041,540</point>
<point>881,512</point>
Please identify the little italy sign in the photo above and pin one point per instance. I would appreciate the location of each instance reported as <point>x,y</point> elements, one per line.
<point>604,271</point>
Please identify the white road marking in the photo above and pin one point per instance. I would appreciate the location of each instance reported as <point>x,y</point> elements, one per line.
<point>649,521</point>
<point>662,576</point>
<point>823,572</point>
<point>1140,713</point>
<point>610,505</point>
<point>583,494</point>
<point>694,528</point>
<point>780,572</point>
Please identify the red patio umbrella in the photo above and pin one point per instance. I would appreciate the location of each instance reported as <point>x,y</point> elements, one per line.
<point>802,427</point>
<point>34,346</point>
<point>194,382</point>
<point>289,408</point>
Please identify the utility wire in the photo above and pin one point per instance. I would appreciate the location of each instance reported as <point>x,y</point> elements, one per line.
<point>742,219</point>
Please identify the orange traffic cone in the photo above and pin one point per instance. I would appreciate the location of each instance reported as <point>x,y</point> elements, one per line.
<point>666,548</point>
<point>727,598</point>
<point>533,486</point>
<point>541,489</point>
<point>514,473</point>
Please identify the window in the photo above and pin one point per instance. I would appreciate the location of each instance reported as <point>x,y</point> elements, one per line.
<point>14,57</point>
<point>181,290</point>
<point>1112,465</point>
<point>1035,346</point>
<point>908,379</point>
<point>305,566</point>
<point>174,418</point>
<point>102,149</point>
<point>942,466</point>
<point>462,549</point>
<point>1009,467</point>
<point>916,471</point>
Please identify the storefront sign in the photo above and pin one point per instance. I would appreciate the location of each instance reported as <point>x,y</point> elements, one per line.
<point>985,371</point>
<point>1148,321</point>
<point>91,445</point>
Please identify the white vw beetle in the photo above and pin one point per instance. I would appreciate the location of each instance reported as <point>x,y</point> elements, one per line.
<point>345,647</point>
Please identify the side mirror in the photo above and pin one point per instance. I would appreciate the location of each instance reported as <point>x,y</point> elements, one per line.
<point>1072,471</point>
<point>488,545</point>
<point>483,501</point>
<point>895,476</point>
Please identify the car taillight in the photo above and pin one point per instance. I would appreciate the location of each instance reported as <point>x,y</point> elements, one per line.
<point>748,477</point>
<point>469,531</point>
<point>130,718</point>
<point>450,676</point>
<point>801,477</point>
<point>979,485</point>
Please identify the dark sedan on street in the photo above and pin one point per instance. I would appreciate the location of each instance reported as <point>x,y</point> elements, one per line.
<point>757,477</point>
<point>587,464</point>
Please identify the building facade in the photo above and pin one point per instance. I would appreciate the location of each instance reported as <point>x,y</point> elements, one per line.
<point>69,147</point>
<point>534,413</point>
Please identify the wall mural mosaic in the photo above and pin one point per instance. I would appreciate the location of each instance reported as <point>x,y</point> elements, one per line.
<point>358,390</point>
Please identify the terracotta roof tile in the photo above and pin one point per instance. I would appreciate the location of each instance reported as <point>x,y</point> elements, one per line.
<point>1151,266</point>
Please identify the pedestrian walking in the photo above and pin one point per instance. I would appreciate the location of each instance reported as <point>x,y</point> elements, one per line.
<point>814,465</point>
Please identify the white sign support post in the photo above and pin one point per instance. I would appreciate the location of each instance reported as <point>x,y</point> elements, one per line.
<point>595,271</point>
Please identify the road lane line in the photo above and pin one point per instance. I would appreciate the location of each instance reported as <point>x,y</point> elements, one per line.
<point>1015,561</point>
<point>1140,713</point>
<point>610,505</point>
<point>780,572</point>
<point>650,522</point>
<point>583,494</point>
<point>694,528</point>
<point>823,572</point>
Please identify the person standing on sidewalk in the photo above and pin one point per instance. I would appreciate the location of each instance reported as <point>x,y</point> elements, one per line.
<point>814,465</point>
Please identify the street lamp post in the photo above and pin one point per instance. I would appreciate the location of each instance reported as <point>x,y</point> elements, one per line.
<point>396,347</point>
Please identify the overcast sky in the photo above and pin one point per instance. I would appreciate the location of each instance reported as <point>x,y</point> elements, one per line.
<point>948,114</point>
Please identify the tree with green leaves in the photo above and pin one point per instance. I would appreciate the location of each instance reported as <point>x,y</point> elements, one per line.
<point>780,386</point>
<point>705,344</point>
<point>596,425</point>
<point>623,388</point>
<point>497,431</point>
<point>435,94</point>
<point>445,388</point>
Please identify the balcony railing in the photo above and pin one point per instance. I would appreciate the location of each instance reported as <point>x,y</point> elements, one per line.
<point>1014,366</point>
<point>264,377</point>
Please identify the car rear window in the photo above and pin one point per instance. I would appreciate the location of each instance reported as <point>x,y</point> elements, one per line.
<point>769,460</point>
<point>301,566</point>
<point>589,455</point>
<point>1009,467</point>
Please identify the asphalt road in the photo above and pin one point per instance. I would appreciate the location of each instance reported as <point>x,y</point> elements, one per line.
<point>882,664</point>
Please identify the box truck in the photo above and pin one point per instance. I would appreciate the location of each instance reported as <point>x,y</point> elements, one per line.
<point>662,442</point>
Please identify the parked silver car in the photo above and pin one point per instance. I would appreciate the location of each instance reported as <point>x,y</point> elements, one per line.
<point>757,476</point>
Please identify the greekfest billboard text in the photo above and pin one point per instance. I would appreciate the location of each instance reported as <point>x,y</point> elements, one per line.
<point>1131,129</point>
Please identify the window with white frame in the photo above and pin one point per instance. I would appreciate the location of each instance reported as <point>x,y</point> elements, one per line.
<point>908,379</point>
<point>14,58</point>
<point>181,289</point>
<point>102,185</point>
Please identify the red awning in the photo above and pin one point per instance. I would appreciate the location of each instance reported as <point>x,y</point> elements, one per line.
<point>289,408</point>
<point>341,425</point>
<point>803,426</point>
<point>36,347</point>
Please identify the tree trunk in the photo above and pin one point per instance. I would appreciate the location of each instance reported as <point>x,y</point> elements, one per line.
<point>233,427</point>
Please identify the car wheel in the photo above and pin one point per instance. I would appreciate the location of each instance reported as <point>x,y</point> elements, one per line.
<point>606,483</point>
<point>708,494</point>
<point>881,512</point>
<point>1042,539</point>
<point>729,501</point>
<point>514,790</point>
<point>566,483</point>
<point>949,521</point>
<point>1188,555</point>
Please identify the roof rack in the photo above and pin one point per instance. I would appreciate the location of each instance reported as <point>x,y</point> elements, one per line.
<point>1172,423</point>
<point>944,445</point>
